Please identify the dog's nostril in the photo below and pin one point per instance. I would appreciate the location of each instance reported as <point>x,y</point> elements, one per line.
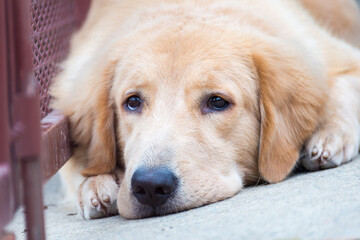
<point>138,190</point>
<point>160,191</point>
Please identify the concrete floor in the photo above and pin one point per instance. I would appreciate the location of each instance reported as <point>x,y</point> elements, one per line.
<point>318,205</point>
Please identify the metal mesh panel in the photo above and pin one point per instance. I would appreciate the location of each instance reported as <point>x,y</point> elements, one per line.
<point>53,22</point>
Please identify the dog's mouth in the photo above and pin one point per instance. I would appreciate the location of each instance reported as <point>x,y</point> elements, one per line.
<point>172,205</point>
<point>156,191</point>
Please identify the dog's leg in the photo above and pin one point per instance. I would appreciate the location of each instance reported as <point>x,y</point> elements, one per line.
<point>92,197</point>
<point>97,195</point>
<point>336,140</point>
<point>71,180</point>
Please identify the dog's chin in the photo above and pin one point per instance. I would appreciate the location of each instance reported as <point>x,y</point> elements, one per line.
<point>183,198</point>
<point>136,210</point>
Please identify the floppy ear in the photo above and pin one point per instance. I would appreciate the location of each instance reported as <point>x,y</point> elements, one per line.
<point>82,93</point>
<point>291,97</point>
<point>102,147</point>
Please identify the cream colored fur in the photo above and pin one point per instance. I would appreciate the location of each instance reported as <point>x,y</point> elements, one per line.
<point>293,83</point>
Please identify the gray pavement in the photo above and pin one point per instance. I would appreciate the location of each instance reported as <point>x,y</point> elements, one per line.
<point>317,205</point>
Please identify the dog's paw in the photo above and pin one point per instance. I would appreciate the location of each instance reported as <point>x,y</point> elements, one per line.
<point>97,196</point>
<point>330,146</point>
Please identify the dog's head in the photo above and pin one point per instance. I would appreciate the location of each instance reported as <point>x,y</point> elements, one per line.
<point>200,111</point>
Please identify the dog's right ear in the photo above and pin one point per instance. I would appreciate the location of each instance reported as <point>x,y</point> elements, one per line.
<point>291,96</point>
<point>83,95</point>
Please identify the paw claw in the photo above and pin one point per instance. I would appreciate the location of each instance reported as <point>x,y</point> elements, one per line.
<point>327,147</point>
<point>325,155</point>
<point>94,202</point>
<point>314,152</point>
<point>106,198</point>
<point>97,197</point>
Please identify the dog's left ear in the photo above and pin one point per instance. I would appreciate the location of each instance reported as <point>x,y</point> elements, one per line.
<point>291,96</point>
<point>83,94</point>
<point>102,145</point>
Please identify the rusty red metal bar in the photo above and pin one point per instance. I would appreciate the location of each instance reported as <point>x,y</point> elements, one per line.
<point>22,53</point>
<point>55,143</point>
<point>6,188</point>
<point>25,114</point>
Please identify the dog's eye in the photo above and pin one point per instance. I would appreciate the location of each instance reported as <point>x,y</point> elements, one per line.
<point>133,103</point>
<point>217,103</point>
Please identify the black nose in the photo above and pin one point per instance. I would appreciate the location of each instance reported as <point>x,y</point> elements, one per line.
<point>153,186</point>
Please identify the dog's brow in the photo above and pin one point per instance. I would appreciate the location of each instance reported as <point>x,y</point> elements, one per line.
<point>137,87</point>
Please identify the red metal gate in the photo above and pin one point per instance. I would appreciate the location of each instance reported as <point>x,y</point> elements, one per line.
<point>34,38</point>
<point>21,118</point>
<point>7,197</point>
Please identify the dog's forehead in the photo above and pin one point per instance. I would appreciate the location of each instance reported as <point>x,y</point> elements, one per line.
<point>184,65</point>
<point>191,78</point>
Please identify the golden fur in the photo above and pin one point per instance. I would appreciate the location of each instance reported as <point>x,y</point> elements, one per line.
<point>292,81</point>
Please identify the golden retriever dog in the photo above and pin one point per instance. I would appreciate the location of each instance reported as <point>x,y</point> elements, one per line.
<point>174,104</point>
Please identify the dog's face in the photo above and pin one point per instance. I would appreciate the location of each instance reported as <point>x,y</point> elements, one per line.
<point>200,110</point>
<point>189,107</point>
